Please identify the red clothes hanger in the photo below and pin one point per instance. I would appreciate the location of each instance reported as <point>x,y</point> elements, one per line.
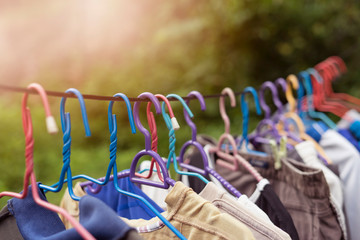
<point>321,102</point>
<point>154,136</point>
<point>336,67</point>
<point>29,151</point>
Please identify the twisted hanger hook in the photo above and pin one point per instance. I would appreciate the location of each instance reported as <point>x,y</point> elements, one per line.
<point>223,114</point>
<point>66,116</point>
<point>138,124</point>
<point>50,121</point>
<point>188,120</point>
<point>292,83</point>
<point>112,117</point>
<point>275,95</point>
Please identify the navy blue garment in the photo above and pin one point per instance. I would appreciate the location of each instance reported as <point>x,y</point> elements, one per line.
<point>316,130</point>
<point>125,206</point>
<point>347,134</point>
<point>36,222</point>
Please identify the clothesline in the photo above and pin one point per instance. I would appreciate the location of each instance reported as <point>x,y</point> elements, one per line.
<point>99,97</point>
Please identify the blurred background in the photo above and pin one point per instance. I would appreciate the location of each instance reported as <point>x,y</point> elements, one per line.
<point>105,47</point>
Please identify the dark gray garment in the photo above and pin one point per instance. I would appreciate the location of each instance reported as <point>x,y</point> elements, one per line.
<point>8,226</point>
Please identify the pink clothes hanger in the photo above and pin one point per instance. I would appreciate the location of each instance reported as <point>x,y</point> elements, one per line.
<point>226,160</point>
<point>154,135</point>
<point>29,151</point>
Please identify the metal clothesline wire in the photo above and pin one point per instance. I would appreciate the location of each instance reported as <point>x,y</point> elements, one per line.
<point>98,97</point>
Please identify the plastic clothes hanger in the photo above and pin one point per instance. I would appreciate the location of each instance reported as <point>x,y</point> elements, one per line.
<point>320,101</point>
<point>147,151</point>
<point>66,128</point>
<point>283,125</point>
<point>258,136</point>
<point>154,136</point>
<point>330,71</point>
<point>113,146</point>
<point>293,83</point>
<point>132,172</point>
<point>29,161</point>
<point>301,103</point>
<point>280,82</point>
<point>207,170</point>
<point>339,67</point>
<point>172,139</point>
<point>226,160</point>
<point>307,82</point>
<point>245,114</point>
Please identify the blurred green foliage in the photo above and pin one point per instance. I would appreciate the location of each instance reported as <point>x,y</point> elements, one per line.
<point>183,46</point>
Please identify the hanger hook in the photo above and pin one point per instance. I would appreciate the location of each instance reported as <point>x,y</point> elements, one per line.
<point>181,100</point>
<point>28,130</point>
<point>112,117</point>
<point>188,120</point>
<point>245,109</point>
<point>315,74</point>
<point>138,124</point>
<point>275,96</point>
<point>152,123</point>
<point>64,118</point>
<point>281,82</point>
<point>50,121</point>
<point>223,114</point>
<point>339,62</point>
<point>292,83</point>
<point>166,102</point>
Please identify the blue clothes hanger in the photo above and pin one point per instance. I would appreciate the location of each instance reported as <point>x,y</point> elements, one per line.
<point>131,173</point>
<point>172,139</point>
<point>66,128</point>
<point>300,96</point>
<point>113,146</point>
<point>245,113</point>
<point>312,113</point>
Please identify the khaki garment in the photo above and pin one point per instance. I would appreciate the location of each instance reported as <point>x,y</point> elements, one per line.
<point>70,205</point>
<point>261,229</point>
<point>194,217</point>
<point>303,191</point>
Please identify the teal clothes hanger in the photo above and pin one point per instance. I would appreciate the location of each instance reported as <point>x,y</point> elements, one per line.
<point>311,112</point>
<point>245,113</point>
<point>172,139</point>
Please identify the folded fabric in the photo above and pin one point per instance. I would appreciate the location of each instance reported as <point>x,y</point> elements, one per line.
<point>36,222</point>
<point>125,206</point>
<point>195,217</point>
<point>261,229</point>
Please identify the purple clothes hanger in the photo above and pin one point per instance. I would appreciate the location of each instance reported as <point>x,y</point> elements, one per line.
<point>193,142</point>
<point>258,136</point>
<point>147,151</point>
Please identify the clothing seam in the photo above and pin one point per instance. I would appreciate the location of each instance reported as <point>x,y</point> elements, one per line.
<point>207,229</point>
<point>218,204</point>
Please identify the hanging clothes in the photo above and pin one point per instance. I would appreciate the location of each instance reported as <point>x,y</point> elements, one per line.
<point>35,222</point>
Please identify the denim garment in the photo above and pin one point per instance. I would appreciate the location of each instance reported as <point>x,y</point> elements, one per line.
<point>36,222</point>
<point>123,205</point>
<point>347,134</point>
